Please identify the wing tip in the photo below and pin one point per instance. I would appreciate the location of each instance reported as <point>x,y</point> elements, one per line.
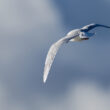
<point>46,72</point>
<point>44,80</point>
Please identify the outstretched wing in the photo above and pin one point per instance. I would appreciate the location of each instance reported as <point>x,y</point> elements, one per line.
<point>91,26</point>
<point>51,55</point>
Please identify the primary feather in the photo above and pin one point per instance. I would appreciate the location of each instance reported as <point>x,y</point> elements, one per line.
<point>51,55</point>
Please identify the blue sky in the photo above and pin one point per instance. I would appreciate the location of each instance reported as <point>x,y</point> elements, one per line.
<point>80,75</point>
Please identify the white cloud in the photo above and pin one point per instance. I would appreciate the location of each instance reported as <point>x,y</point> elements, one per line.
<point>87,95</point>
<point>83,95</point>
<point>21,15</point>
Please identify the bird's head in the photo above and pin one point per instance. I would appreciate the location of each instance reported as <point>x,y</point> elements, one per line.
<point>86,35</point>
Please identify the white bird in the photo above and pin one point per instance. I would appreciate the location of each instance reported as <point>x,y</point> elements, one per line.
<point>74,35</point>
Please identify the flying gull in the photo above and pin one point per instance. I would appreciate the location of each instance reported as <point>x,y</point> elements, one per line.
<point>74,35</point>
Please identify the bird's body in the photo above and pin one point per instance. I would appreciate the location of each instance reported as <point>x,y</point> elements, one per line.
<point>74,35</point>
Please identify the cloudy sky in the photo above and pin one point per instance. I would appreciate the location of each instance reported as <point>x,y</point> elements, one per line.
<point>80,76</point>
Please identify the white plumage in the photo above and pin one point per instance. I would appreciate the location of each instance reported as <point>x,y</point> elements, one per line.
<point>74,35</point>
